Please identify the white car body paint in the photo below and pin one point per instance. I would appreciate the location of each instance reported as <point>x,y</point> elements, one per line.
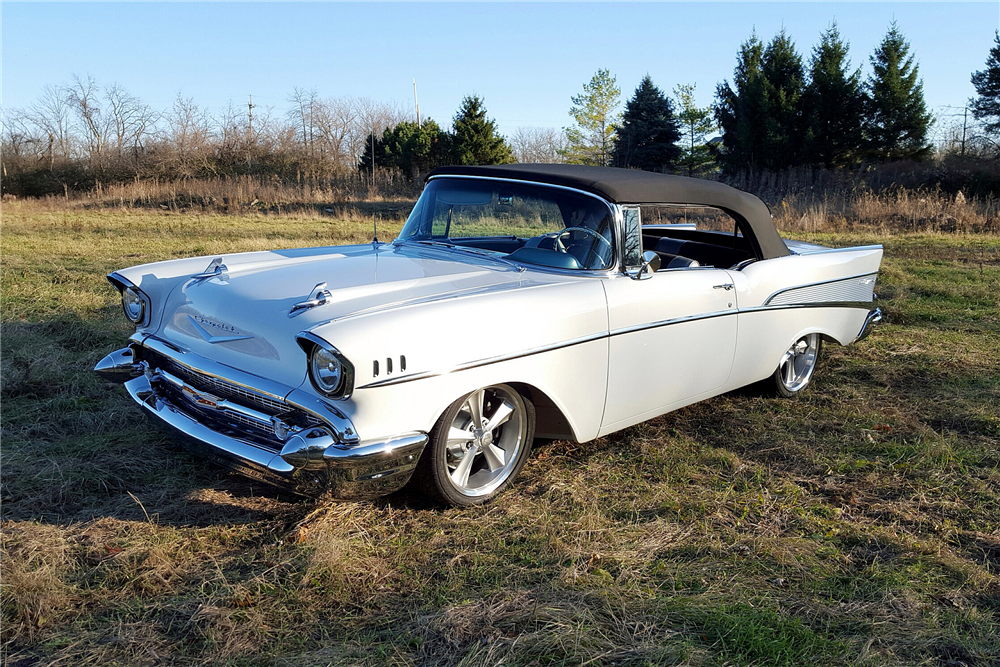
<point>607,350</point>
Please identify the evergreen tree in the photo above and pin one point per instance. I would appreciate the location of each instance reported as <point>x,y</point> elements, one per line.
<point>833,105</point>
<point>592,139</point>
<point>783,75</point>
<point>648,132</point>
<point>411,148</point>
<point>475,137</point>
<point>696,123</point>
<point>986,107</point>
<point>898,120</point>
<point>741,111</point>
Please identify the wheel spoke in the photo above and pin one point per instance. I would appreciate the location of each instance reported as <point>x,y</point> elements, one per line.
<point>457,436</point>
<point>461,474</point>
<point>475,403</point>
<point>495,457</point>
<point>790,372</point>
<point>502,414</point>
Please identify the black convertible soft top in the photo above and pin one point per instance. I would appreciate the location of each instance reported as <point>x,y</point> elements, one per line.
<point>631,186</point>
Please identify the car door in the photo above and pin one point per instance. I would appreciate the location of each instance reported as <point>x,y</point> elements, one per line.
<point>672,341</point>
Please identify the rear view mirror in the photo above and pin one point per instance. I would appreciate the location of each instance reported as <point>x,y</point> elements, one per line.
<point>650,265</point>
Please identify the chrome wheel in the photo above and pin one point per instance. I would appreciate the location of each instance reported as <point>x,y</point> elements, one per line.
<point>484,440</point>
<point>797,366</point>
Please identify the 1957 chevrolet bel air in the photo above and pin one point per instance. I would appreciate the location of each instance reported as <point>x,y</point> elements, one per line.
<point>519,301</point>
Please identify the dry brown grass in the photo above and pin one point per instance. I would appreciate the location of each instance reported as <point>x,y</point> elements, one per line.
<point>801,209</point>
<point>895,211</point>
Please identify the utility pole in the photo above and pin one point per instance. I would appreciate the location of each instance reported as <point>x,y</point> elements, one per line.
<point>250,114</point>
<point>415,103</point>
<point>965,122</point>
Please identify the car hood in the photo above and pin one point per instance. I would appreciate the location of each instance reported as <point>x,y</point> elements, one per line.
<point>242,318</point>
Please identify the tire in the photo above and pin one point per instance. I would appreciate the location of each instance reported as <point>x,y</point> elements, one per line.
<point>447,473</point>
<point>795,371</point>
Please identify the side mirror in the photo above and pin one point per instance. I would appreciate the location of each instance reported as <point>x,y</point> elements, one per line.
<point>650,261</point>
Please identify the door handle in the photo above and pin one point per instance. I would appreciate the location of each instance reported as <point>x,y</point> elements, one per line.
<point>727,286</point>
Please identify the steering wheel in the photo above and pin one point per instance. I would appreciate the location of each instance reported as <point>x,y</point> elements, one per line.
<point>562,246</point>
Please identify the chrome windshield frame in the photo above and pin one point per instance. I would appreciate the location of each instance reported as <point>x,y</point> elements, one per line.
<point>616,225</point>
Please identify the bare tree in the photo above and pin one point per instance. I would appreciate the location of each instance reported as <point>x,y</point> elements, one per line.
<point>538,144</point>
<point>83,96</point>
<point>303,113</point>
<point>130,120</point>
<point>52,116</point>
<point>189,134</point>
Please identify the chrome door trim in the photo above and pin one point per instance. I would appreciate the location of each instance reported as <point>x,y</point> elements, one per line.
<point>674,320</point>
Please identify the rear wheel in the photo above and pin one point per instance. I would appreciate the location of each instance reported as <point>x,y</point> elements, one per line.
<point>478,446</point>
<point>795,371</point>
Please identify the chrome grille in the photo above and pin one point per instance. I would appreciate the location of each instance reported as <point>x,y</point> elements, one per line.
<point>222,388</point>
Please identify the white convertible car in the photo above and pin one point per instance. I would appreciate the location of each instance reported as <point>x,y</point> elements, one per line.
<point>519,301</point>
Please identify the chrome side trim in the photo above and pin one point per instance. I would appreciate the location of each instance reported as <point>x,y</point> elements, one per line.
<point>784,290</point>
<point>485,361</point>
<point>674,320</point>
<point>412,377</point>
<point>819,251</point>
<point>818,304</point>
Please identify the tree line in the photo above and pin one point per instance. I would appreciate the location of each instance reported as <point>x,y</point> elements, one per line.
<point>778,111</point>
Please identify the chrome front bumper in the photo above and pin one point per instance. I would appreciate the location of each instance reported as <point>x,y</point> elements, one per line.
<point>322,455</point>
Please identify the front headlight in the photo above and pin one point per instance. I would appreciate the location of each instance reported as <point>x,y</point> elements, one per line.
<point>326,369</point>
<point>329,371</point>
<point>133,304</point>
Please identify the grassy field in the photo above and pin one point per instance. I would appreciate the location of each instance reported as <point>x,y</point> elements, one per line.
<point>859,524</point>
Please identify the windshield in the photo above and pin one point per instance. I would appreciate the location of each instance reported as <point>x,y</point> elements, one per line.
<point>528,223</point>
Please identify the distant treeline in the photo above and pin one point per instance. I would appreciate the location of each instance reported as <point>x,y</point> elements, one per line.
<point>778,114</point>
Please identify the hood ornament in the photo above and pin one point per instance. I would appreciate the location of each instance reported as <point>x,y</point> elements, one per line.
<point>215,269</point>
<point>197,322</point>
<point>319,295</point>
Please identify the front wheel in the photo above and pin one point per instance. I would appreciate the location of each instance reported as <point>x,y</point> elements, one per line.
<point>795,371</point>
<point>478,446</point>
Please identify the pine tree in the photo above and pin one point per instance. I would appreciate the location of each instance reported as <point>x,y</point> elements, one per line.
<point>898,120</point>
<point>833,105</point>
<point>783,75</point>
<point>475,137</point>
<point>648,132</point>
<point>411,148</point>
<point>696,123</point>
<point>592,139</point>
<point>986,107</point>
<point>741,112</point>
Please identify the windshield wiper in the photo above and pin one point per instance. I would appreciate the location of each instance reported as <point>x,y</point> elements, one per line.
<point>478,252</point>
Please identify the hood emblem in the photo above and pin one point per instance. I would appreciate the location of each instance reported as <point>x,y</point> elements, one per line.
<point>216,269</point>
<point>319,295</point>
<point>200,323</point>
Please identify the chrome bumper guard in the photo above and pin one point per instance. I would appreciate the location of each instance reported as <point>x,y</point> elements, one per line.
<point>322,455</point>
<point>874,317</point>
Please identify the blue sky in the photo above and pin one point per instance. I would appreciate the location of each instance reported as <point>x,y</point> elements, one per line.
<point>525,59</point>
